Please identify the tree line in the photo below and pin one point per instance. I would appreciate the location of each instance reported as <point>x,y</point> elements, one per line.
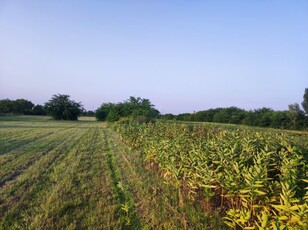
<point>293,118</point>
<point>21,107</point>
<point>61,107</point>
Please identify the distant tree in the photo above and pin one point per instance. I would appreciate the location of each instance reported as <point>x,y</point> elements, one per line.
<point>184,117</point>
<point>39,110</point>
<point>60,107</point>
<point>19,106</point>
<point>102,112</point>
<point>295,108</point>
<point>264,116</point>
<point>305,102</point>
<point>206,115</point>
<point>295,115</point>
<point>140,107</point>
<point>135,108</point>
<point>250,118</point>
<point>167,116</point>
<point>221,116</point>
<point>6,106</point>
<point>112,116</point>
<point>22,106</point>
<point>231,115</point>
<point>89,113</point>
<point>281,120</point>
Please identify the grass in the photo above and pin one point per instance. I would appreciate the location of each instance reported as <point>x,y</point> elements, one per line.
<point>79,175</point>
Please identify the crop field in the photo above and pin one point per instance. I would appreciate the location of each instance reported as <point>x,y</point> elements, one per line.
<point>79,175</point>
<point>256,179</point>
<point>85,175</point>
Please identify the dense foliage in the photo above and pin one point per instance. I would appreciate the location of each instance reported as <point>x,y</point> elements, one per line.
<point>39,110</point>
<point>294,118</point>
<point>60,107</point>
<point>136,108</point>
<point>305,102</point>
<point>19,106</point>
<point>88,113</point>
<point>255,179</point>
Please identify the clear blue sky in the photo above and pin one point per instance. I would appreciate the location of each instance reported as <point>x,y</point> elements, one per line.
<point>182,55</point>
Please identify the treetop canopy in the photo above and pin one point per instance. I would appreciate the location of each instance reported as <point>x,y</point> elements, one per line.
<point>60,107</point>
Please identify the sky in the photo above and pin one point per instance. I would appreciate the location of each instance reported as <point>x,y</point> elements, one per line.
<point>184,56</point>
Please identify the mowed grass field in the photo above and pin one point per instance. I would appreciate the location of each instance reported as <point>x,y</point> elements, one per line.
<point>79,175</point>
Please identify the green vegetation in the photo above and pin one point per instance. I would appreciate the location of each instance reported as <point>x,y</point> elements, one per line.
<point>253,179</point>
<point>134,108</point>
<point>79,175</point>
<point>60,107</point>
<point>19,106</point>
<point>294,118</point>
<point>305,101</point>
<point>147,174</point>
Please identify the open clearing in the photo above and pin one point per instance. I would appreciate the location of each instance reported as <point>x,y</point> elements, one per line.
<point>79,175</point>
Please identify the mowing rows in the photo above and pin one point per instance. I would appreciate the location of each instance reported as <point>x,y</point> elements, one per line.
<point>79,175</point>
<point>256,180</point>
<point>55,179</point>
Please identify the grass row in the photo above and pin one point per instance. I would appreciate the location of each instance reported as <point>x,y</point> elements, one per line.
<point>79,175</point>
<point>68,179</point>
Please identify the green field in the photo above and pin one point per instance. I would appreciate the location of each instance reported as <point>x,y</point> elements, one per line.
<point>85,175</point>
<point>79,175</point>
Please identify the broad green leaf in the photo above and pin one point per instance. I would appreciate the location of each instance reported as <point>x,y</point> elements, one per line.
<point>279,207</point>
<point>283,218</point>
<point>249,228</point>
<point>260,192</point>
<point>244,191</point>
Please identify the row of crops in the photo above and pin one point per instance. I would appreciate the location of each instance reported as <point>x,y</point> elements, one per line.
<point>256,180</point>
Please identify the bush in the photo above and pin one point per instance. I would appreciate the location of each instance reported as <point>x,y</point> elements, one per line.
<point>112,116</point>
<point>60,107</point>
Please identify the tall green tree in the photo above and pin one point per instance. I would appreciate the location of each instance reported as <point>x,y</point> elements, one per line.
<point>6,106</point>
<point>135,107</point>
<point>38,110</point>
<point>295,115</point>
<point>102,112</point>
<point>305,102</point>
<point>112,116</point>
<point>19,106</point>
<point>60,107</point>
<point>23,106</point>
